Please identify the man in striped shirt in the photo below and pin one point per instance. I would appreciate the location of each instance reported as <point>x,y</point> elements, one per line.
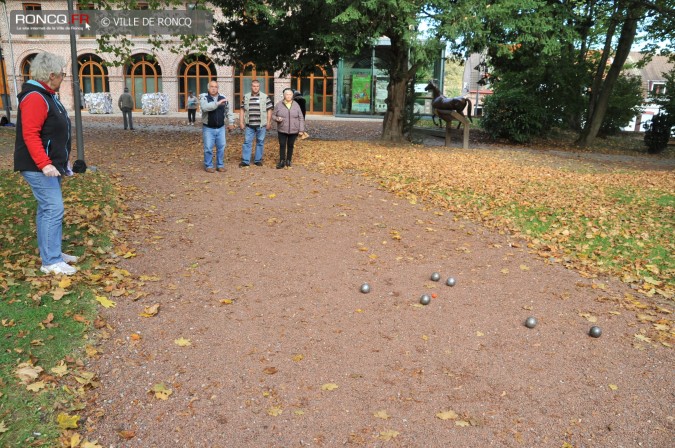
<point>255,117</point>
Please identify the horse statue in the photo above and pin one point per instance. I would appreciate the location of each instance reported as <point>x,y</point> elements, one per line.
<point>440,104</point>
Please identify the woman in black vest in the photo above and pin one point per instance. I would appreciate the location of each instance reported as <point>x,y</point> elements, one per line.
<point>41,155</point>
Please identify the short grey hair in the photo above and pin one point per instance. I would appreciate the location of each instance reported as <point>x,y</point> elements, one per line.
<point>44,64</point>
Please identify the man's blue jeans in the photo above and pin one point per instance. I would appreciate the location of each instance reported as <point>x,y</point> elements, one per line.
<point>213,136</point>
<point>259,133</point>
<point>49,217</point>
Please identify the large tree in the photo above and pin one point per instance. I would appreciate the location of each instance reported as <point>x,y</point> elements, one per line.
<point>574,35</point>
<point>295,36</point>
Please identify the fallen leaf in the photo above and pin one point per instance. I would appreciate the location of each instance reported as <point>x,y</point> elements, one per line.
<point>329,386</point>
<point>270,370</point>
<point>182,342</point>
<point>36,386</point>
<point>524,267</point>
<point>589,317</point>
<point>447,415</point>
<point>382,414</point>
<point>275,411</point>
<point>65,282</point>
<point>127,434</point>
<point>59,370</point>
<point>58,293</point>
<point>388,435</point>
<point>148,278</point>
<point>75,440</point>
<point>150,311</point>
<point>642,337</point>
<point>298,357</point>
<point>462,423</point>
<point>614,387</point>
<point>90,350</point>
<point>504,271</point>
<point>66,421</point>
<point>3,427</point>
<point>105,302</point>
<point>161,391</point>
<point>87,379</point>
<point>86,444</point>
<point>27,372</point>
<point>227,301</point>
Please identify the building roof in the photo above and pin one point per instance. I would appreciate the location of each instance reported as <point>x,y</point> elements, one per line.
<point>655,69</point>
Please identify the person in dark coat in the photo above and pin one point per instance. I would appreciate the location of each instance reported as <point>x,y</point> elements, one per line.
<point>298,98</point>
<point>126,105</point>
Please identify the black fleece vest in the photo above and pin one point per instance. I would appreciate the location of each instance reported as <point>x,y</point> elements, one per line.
<point>55,133</point>
<point>217,117</point>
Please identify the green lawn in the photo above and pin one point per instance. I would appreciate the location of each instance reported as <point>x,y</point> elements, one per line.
<point>46,321</point>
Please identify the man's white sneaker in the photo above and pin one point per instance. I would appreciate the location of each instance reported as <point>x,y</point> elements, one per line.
<point>69,258</point>
<point>59,268</point>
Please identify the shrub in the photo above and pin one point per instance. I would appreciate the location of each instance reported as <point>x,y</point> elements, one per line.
<point>624,104</point>
<point>658,132</point>
<point>515,114</point>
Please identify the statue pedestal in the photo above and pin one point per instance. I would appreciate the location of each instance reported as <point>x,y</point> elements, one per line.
<point>449,116</point>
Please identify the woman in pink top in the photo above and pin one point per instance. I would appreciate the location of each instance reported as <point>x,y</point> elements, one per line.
<point>290,122</point>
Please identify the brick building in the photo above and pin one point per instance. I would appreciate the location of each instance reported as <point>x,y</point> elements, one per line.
<point>151,71</point>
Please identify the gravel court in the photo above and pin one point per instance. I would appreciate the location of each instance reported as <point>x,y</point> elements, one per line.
<point>290,248</point>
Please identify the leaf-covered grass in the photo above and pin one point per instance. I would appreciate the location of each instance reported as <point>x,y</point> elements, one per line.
<point>46,321</point>
<point>599,219</point>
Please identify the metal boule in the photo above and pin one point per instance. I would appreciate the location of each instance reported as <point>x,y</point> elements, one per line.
<point>451,281</point>
<point>365,288</point>
<point>595,331</point>
<point>531,322</point>
<point>425,299</point>
<point>435,276</point>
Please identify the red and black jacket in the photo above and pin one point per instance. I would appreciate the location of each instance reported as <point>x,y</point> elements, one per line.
<point>42,130</point>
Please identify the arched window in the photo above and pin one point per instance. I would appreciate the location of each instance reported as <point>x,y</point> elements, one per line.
<point>243,75</point>
<point>143,75</point>
<point>25,66</point>
<point>194,75</point>
<point>93,74</point>
<point>317,88</point>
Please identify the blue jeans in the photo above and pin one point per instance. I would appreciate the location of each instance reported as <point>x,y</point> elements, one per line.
<point>259,133</point>
<point>49,218</point>
<point>213,136</point>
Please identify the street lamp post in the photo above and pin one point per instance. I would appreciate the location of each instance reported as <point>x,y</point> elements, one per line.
<point>5,89</point>
<point>76,88</point>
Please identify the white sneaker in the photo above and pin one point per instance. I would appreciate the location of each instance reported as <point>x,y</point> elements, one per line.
<point>59,268</point>
<point>69,258</point>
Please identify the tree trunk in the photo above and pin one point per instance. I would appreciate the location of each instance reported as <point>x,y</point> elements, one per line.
<point>397,62</point>
<point>598,108</point>
<point>392,125</point>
